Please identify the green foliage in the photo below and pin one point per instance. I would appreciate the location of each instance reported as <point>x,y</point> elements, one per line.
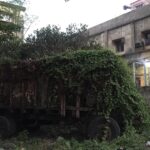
<point>23,136</point>
<point>51,39</point>
<point>130,140</point>
<point>7,33</point>
<point>10,50</point>
<point>44,42</point>
<point>101,74</point>
<point>9,27</point>
<point>98,74</point>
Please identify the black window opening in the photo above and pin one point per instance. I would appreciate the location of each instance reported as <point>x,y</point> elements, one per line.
<point>119,44</point>
<point>146,36</point>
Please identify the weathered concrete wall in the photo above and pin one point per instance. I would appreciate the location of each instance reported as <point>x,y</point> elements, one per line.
<point>128,26</point>
<point>101,39</point>
<point>145,91</point>
<point>106,38</point>
<point>121,32</point>
<point>122,20</point>
<point>140,26</point>
<point>131,57</point>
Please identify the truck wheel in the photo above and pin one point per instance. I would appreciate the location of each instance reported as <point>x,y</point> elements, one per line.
<point>103,129</point>
<point>7,127</point>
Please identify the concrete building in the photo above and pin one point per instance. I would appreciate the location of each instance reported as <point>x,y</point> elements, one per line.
<point>129,36</point>
<point>139,3</point>
<point>10,13</point>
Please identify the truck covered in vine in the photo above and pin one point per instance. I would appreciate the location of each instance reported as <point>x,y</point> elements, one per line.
<point>92,88</point>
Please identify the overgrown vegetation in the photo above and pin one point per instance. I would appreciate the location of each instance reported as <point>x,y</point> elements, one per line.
<point>131,140</point>
<point>51,39</point>
<point>45,42</point>
<point>98,74</point>
<point>104,76</point>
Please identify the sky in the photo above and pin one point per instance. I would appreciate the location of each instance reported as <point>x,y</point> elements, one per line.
<point>61,13</point>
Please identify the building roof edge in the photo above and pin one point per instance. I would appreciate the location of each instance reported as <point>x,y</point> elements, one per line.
<point>121,20</point>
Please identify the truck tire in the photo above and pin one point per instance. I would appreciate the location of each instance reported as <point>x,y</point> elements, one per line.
<point>7,127</point>
<point>103,129</point>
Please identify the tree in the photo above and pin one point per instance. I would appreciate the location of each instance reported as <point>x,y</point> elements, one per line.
<point>11,26</point>
<point>43,42</point>
<point>28,18</point>
<point>51,39</point>
<point>9,43</point>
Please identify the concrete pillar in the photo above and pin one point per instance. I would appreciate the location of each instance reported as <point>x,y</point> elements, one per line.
<point>133,36</point>
<point>145,79</point>
<point>134,72</point>
<point>106,42</point>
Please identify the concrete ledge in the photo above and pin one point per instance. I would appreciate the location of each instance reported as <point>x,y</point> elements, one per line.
<point>122,20</point>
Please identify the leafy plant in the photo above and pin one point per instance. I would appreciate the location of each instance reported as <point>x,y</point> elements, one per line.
<point>130,140</point>
<point>50,40</point>
<point>98,74</point>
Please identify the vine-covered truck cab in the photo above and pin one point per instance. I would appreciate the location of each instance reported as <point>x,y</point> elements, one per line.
<point>92,88</point>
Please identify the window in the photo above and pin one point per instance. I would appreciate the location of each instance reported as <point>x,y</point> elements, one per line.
<point>119,44</point>
<point>146,37</point>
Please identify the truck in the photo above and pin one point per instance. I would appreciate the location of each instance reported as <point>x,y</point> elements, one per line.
<point>91,89</point>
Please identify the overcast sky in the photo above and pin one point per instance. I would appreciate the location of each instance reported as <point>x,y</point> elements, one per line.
<point>90,12</point>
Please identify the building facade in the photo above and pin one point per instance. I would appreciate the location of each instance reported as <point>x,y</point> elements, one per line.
<point>12,14</point>
<point>129,36</point>
<point>139,3</point>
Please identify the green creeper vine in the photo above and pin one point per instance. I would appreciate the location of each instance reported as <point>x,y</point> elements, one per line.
<point>98,74</point>
<point>107,77</point>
